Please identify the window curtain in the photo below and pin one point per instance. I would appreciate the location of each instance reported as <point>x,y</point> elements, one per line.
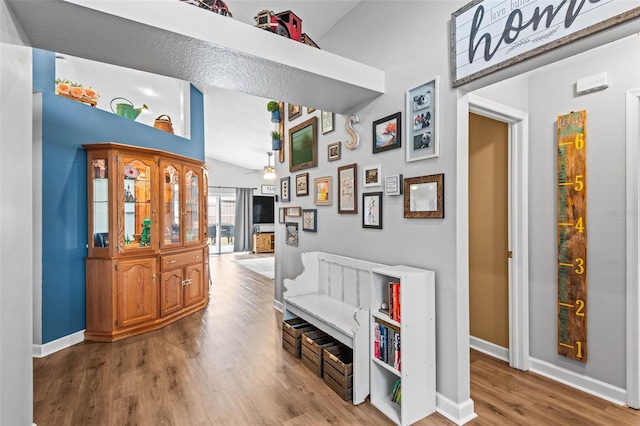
<point>244,219</point>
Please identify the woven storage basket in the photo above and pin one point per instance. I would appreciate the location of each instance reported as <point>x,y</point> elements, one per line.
<point>164,123</point>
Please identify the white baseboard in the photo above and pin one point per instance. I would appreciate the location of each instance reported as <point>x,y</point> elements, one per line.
<point>457,413</point>
<point>278,306</point>
<point>586,384</point>
<point>40,351</point>
<point>489,348</point>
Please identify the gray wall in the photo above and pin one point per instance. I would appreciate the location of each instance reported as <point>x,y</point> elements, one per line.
<point>545,94</point>
<point>16,245</point>
<point>552,93</point>
<point>415,51</point>
<point>409,42</point>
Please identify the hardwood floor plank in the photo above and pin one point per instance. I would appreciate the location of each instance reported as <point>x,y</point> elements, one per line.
<point>226,366</point>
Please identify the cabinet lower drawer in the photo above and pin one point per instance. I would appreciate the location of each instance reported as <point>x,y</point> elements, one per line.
<point>172,261</point>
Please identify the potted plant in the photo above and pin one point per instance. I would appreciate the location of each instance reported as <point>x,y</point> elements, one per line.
<point>275,140</point>
<point>274,108</point>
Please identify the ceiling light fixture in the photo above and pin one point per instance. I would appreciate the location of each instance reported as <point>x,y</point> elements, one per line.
<point>147,91</point>
<point>269,170</point>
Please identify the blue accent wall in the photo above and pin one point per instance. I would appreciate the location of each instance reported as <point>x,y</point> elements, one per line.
<point>66,126</point>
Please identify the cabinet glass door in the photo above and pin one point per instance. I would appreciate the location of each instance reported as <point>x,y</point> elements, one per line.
<point>192,206</point>
<point>100,202</point>
<point>171,223</point>
<point>138,229</point>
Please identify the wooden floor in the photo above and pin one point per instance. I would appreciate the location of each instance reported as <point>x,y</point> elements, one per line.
<point>225,366</point>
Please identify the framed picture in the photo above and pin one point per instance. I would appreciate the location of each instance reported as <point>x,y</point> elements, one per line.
<point>371,176</point>
<point>291,233</point>
<point>281,215</point>
<point>326,124</point>
<point>294,211</point>
<point>294,111</point>
<point>284,189</point>
<point>322,191</point>
<point>348,189</point>
<point>310,110</point>
<point>268,189</point>
<point>303,149</point>
<point>423,113</point>
<point>310,220</point>
<point>333,151</point>
<point>393,185</point>
<point>372,210</point>
<point>424,197</point>
<point>302,184</point>
<point>387,133</point>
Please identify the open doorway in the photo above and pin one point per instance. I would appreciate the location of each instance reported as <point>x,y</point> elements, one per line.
<point>221,223</point>
<point>516,253</point>
<point>489,234</point>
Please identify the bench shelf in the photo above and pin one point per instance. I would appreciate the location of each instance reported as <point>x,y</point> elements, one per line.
<point>334,294</point>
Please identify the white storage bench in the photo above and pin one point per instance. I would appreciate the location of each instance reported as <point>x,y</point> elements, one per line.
<point>334,294</point>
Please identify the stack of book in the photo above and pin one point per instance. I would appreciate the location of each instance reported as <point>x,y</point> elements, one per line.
<point>386,346</point>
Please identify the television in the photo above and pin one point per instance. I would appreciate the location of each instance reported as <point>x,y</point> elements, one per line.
<point>263,209</point>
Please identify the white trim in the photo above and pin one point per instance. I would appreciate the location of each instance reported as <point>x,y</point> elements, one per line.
<point>518,122</point>
<point>632,249</point>
<point>457,413</point>
<point>41,351</point>
<point>489,348</point>
<point>581,382</point>
<point>278,305</point>
<point>36,172</point>
<point>463,376</point>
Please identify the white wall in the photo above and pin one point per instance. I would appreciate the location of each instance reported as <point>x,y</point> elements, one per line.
<point>16,246</point>
<point>232,176</point>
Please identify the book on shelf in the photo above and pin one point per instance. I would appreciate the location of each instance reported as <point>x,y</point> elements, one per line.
<point>376,343</point>
<point>396,350</point>
<point>393,297</point>
<point>383,343</point>
<point>395,393</point>
<point>386,345</point>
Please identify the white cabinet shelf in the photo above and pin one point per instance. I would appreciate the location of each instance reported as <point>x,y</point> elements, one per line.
<point>414,351</point>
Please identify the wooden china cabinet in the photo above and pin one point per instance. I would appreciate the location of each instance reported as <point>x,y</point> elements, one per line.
<point>148,258</point>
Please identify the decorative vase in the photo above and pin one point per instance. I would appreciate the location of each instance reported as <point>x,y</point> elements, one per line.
<point>275,144</point>
<point>275,116</point>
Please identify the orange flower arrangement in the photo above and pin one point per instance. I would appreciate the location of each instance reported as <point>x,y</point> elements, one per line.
<point>76,90</point>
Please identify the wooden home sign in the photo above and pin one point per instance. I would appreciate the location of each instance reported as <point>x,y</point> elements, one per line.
<point>572,235</point>
<point>487,36</point>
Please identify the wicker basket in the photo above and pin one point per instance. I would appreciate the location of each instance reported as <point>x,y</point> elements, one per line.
<point>164,123</point>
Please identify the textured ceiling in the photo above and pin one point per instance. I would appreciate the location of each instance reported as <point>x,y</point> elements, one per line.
<point>233,120</point>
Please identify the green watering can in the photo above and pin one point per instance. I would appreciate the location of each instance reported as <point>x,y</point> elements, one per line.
<point>127,110</point>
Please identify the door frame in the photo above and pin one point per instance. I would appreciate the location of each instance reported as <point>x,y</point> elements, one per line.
<point>632,138</point>
<point>518,226</point>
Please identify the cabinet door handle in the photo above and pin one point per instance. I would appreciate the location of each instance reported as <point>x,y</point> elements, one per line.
<point>169,262</point>
<point>187,282</point>
<point>196,257</point>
